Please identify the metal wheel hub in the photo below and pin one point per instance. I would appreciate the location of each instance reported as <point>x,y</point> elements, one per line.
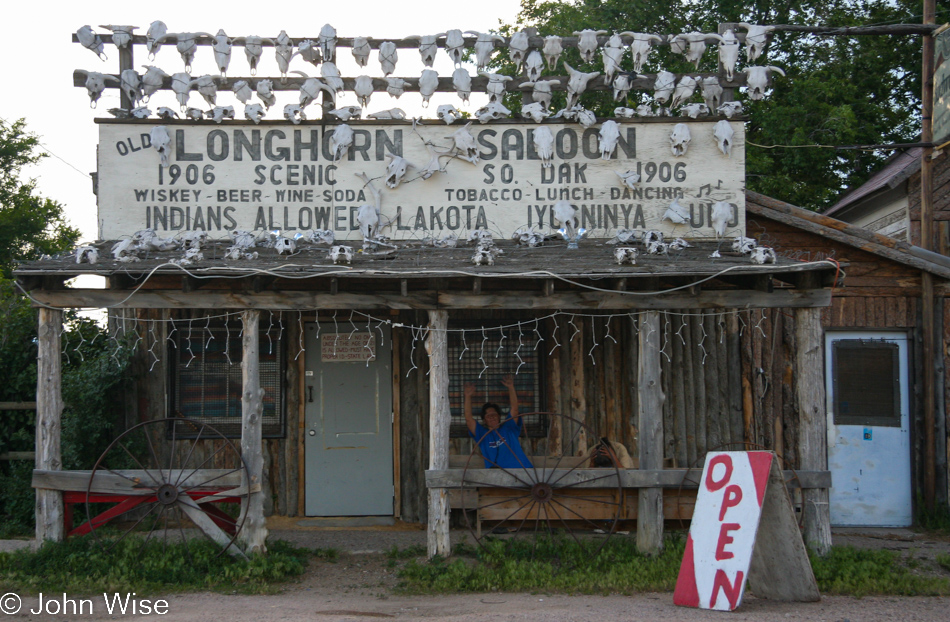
<point>167,494</point>
<point>542,492</point>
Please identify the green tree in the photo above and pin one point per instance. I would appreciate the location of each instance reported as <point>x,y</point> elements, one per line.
<point>30,225</point>
<point>838,91</point>
<point>93,368</point>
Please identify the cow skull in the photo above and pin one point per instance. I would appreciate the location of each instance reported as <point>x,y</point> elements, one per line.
<point>694,111</point>
<point>347,112</point>
<point>156,30</point>
<point>712,91</point>
<point>517,48</point>
<point>131,85</point>
<point>757,80</point>
<point>692,45</point>
<point>396,169</point>
<point>663,86</point>
<point>577,83</point>
<point>462,83</point>
<point>121,35</point>
<point>341,254</point>
<point>541,92</point>
<point>723,133</point>
<point>309,50</point>
<point>327,42</point>
<point>729,53</point>
<point>640,47</point>
<point>629,178</point>
<point>720,215</point>
<point>587,43</point>
<point>626,255</point>
<point>465,145</point>
<point>491,112</point>
<point>242,90</point>
<point>684,90</point>
<point>220,113</point>
<point>361,50</point>
<point>543,144</point>
<point>552,50</point>
<point>609,135</point>
<point>363,88</point>
<point>388,57</point>
<point>341,140</point>
<point>392,113</point>
<point>621,87</point>
<point>427,47</point>
<point>284,48</point>
<point>496,85</point>
<point>755,39</point>
<point>309,90</point>
<point>187,45</point>
<point>294,113</point>
<point>762,255</point>
<point>254,112</point>
<point>730,109</point>
<point>455,45</point>
<point>253,50</point>
<point>623,112</point>
<point>182,85</point>
<point>207,89</point>
<point>679,139</point>
<point>534,111</point>
<point>265,91</point>
<point>161,142</point>
<point>91,41</point>
<point>676,213</point>
<point>484,46</point>
<point>448,113</point>
<point>428,83</point>
<point>613,55</point>
<point>533,65</point>
<point>396,86</point>
<point>331,75</point>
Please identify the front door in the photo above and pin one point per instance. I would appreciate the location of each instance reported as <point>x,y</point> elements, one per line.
<point>868,429</point>
<point>349,433</point>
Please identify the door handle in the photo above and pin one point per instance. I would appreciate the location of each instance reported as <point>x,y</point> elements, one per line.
<point>310,393</point>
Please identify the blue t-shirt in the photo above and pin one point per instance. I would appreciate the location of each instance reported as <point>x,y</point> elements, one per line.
<point>500,447</point>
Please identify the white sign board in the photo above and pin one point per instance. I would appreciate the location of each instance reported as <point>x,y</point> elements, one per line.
<point>743,518</point>
<point>347,347</point>
<point>237,176</point>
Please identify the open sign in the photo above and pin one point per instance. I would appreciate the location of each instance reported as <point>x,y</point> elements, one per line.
<point>741,494</point>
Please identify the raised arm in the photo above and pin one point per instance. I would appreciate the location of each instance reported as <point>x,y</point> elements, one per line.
<point>509,382</point>
<point>468,392</point>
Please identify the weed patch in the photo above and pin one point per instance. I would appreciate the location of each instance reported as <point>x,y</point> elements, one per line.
<point>943,560</point>
<point>83,565</point>
<point>410,552</point>
<point>549,565</point>
<point>861,572</point>
<point>328,554</point>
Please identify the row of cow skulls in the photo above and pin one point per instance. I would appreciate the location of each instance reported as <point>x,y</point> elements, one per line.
<point>692,45</point>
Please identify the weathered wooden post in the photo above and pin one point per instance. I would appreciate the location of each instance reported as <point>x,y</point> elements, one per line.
<point>813,422</point>
<point>650,508</point>
<point>254,532</point>
<point>439,420</point>
<point>49,410</point>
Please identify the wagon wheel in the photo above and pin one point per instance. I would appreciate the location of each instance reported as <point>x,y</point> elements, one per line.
<point>536,505</point>
<point>692,476</point>
<point>165,487</point>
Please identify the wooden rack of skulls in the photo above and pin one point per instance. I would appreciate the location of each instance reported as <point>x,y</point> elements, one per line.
<point>609,62</point>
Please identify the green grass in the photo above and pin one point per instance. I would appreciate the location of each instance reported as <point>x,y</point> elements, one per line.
<point>936,521</point>
<point>561,565</point>
<point>550,565</point>
<point>82,565</point>
<point>328,554</point>
<point>861,572</point>
<point>410,552</point>
<point>943,560</point>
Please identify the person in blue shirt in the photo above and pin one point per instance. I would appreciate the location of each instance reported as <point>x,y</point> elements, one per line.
<point>497,440</point>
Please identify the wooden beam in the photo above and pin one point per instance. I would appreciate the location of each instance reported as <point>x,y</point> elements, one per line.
<point>49,409</point>
<point>334,286</point>
<point>132,481</point>
<point>595,478</point>
<point>477,285</point>
<point>284,300</point>
<point>813,431</point>
<point>439,422</point>
<point>17,405</point>
<point>650,416</point>
<point>547,287</point>
<point>254,533</point>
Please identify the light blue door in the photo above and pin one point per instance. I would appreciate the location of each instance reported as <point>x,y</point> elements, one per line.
<point>349,433</point>
<point>868,428</point>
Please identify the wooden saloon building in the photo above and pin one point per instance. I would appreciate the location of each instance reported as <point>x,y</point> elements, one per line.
<point>349,400</point>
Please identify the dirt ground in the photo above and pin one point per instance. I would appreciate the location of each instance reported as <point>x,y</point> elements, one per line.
<point>358,586</point>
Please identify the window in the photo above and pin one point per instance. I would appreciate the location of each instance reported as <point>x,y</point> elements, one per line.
<point>866,383</point>
<point>206,377</point>
<point>485,357</point>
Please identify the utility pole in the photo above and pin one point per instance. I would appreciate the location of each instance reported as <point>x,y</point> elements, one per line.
<point>927,243</point>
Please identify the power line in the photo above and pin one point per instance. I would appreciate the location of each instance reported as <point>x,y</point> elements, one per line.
<point>48,151</point>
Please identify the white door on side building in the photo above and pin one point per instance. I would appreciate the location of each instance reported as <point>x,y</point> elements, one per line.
<point>868,428</point>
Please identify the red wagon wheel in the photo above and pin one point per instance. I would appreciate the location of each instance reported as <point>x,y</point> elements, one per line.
<point>159,474</point>
<point>530,505</point>
<point>691,479</point>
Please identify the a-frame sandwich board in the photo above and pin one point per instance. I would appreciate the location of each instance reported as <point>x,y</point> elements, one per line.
<point>743,528</point>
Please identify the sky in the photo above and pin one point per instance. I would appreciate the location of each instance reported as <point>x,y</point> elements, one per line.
<point>40,59</point>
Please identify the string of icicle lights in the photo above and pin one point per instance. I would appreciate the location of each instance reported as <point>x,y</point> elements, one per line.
<point>473,339</point>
